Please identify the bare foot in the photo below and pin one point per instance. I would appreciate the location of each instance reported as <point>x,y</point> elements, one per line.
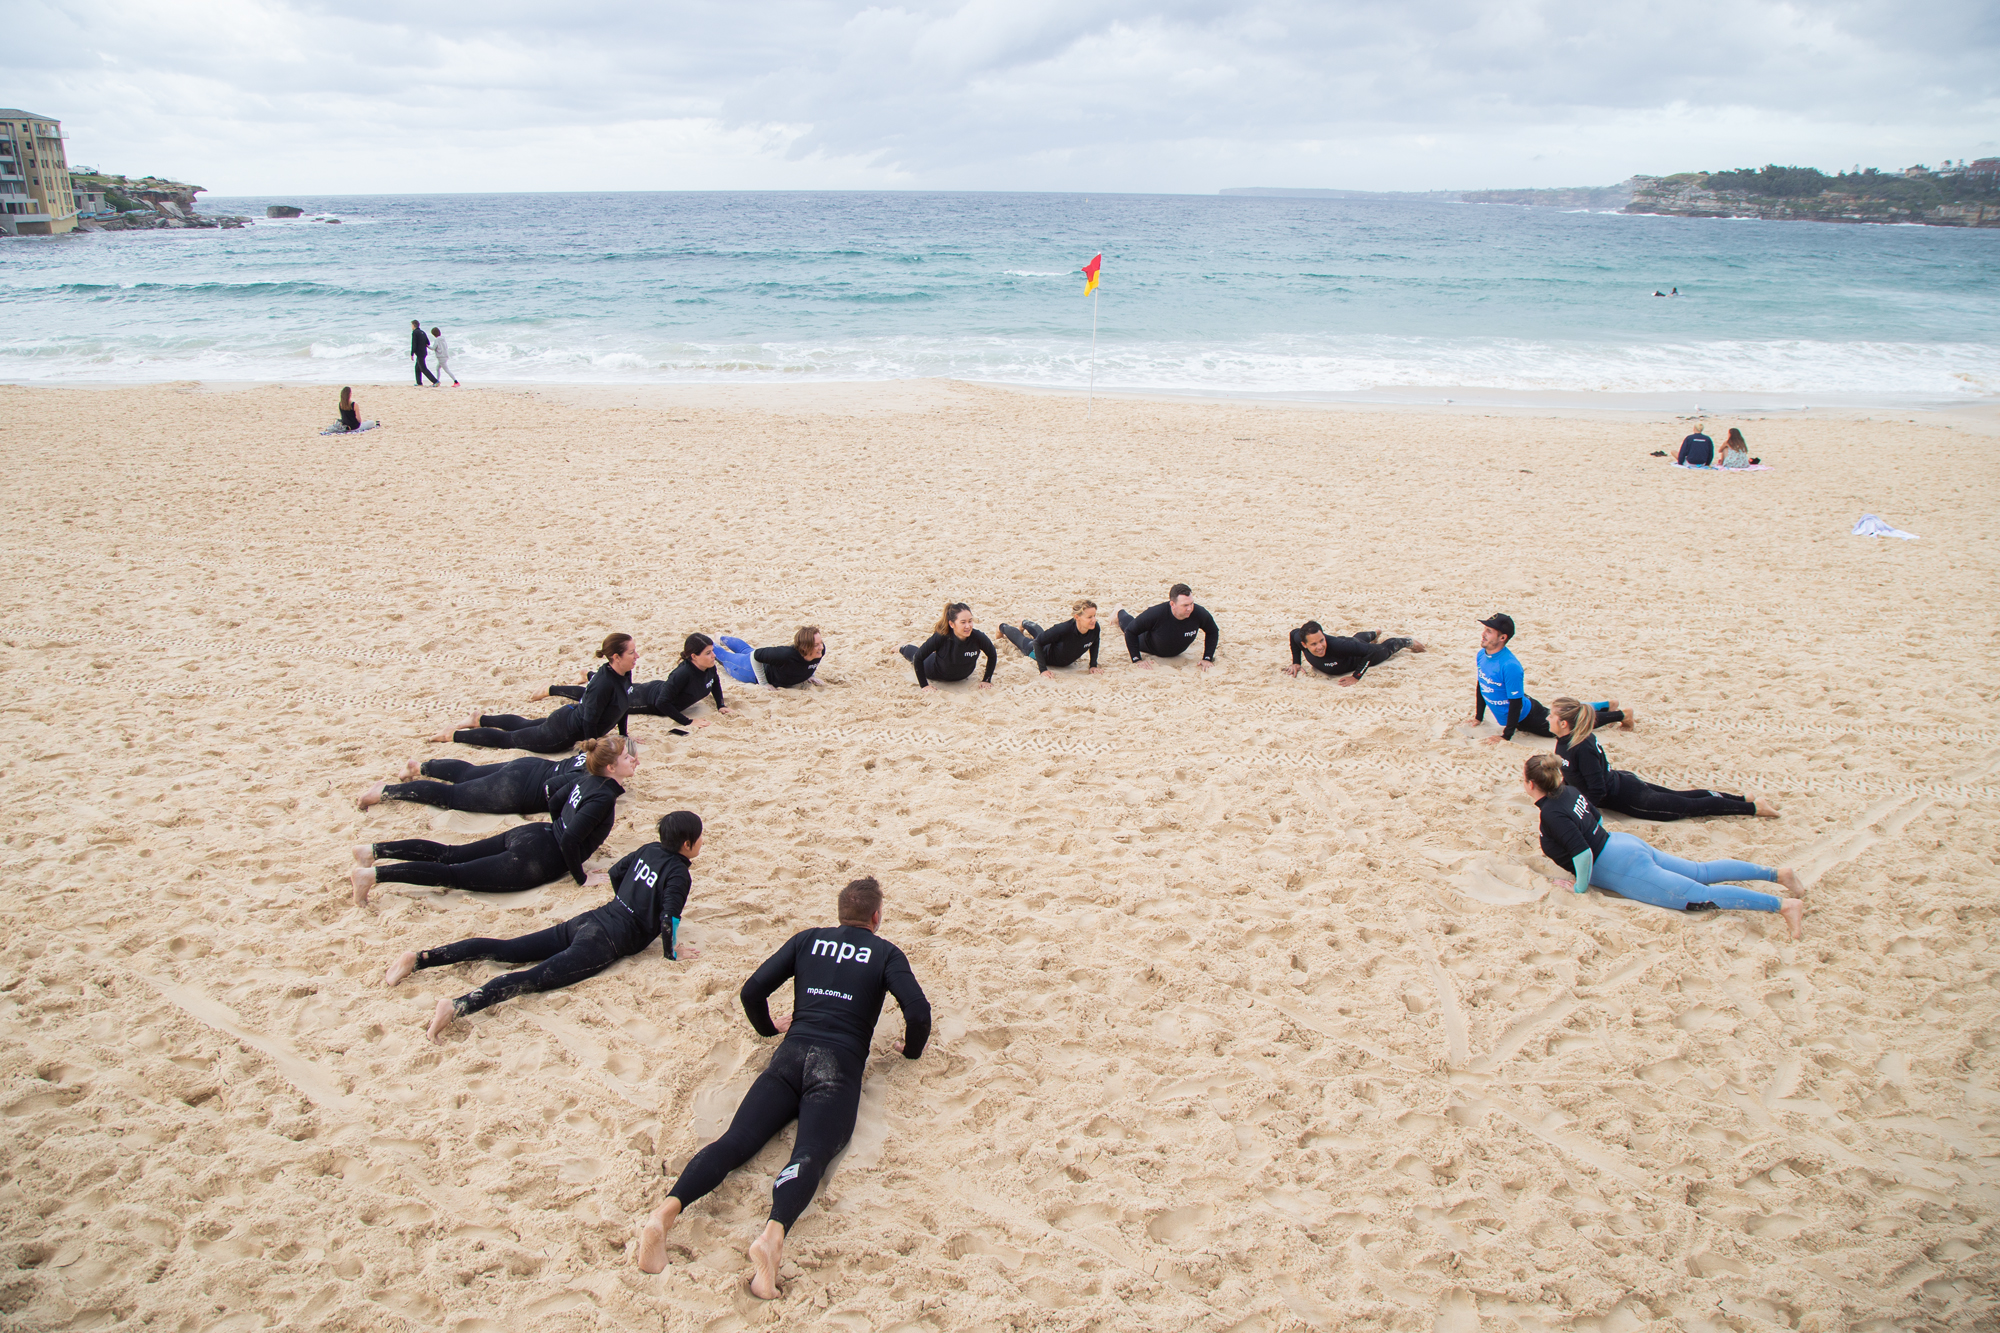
<point>373,796</point>
<point>405,964</point>
<point>1794,913</point>
<point>441,737</point>
<point>1765,810</point>
<point>1790,879</point>
<point>1629,721</point>
<point>364,853</point>
<point>652,1254</point>
<point>441,1018</point>
<point>766,1253</point>
<point>412,771</point>
<point>364,880</point>
<point>1416,647</point>
<point>539,695</point>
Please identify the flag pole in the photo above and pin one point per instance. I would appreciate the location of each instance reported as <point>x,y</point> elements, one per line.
<point>1090,403</point>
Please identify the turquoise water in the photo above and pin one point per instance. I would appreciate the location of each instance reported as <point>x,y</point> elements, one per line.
<point>1201,294</point>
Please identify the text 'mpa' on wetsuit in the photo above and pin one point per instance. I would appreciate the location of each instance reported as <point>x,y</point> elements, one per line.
<point>513,787</point>
<point>947,657</point>
<point>681,690</point>
<point>1572,831</point>
<point>603,706</point>
<point>1588,767</point>
<point>785,666</point>
<point>1348,656</point>
<point>525,857</point>
<point>839,978</point>
<point>1155,631</point>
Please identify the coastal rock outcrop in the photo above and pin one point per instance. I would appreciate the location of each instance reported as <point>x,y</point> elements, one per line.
<point>1859,197</point>
<point>282,211</point>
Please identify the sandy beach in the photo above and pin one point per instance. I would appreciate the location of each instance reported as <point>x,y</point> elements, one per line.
<point>1257,1007</point>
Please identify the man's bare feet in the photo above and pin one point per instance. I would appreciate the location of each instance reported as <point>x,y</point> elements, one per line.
<point>405,964</point>
<point>1790,879</point>
<point>412,771</point>
<point>766,1253</point>
<point>1765,810</point>
<point>1416,647</point>
<point>363,880</point>
<point>441,737</point>
<point>652,1253</point>
<point>441,1019</point>
<point>537,696</point>
<point>364,853</point>
<point>371,797</point>
<point>1794,913</point>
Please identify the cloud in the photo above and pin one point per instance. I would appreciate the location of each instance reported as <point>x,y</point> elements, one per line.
<point>1174,95</point>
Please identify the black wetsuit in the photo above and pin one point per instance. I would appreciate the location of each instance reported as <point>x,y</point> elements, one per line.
<point>786,666</point>
<point>603,706</point>
<point>1155,631</point>
<point>681,690</point>
<point>1348,656</point>
<point>947,657</point>
<point>839,977</point>
<point>652,888</point>
<point>526,857</point>
<point>420,346</point>
<point>515,787</point>
<point>1570,827</point>
<point>1586,766</point>
<point>1058,647</point>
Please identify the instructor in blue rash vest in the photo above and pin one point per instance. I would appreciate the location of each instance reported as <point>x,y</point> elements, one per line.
<point>839,978</point>
<point>1168,629</point>
<point>1499,685</point>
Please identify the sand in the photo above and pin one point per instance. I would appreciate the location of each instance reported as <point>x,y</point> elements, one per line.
<point>1256,1006</point>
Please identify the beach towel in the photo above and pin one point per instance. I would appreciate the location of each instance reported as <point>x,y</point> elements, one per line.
<point>1871,526</point>
<point>337,429</point>
<point>1749,467</point>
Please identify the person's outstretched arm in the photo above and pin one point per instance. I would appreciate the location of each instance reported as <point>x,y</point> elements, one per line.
<point>902,983</point>
<point>593,812</point>
<point>1210,632</point>
<point>1478,701</point>
<point>992,658</point>
<point>1513,718</point>
<point>756,992</point>
<point>673,900</point>
<point>1095,636</point>
<point>715,690</point>
<point>925,649</point>
<point>1142,624</point>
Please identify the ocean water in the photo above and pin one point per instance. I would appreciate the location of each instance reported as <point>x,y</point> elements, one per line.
<point>1205,294</point>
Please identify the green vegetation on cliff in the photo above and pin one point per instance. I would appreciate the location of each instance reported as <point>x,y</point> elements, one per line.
<point>1925,190</point>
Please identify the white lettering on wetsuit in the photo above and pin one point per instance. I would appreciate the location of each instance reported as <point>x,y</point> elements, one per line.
<point>839,953</point>
<point>830,994</point>
<point>645,874</point>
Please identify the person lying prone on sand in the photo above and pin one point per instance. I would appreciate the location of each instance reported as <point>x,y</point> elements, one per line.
<point>516,787</point>
<point>1499,683</point>
<point>1585,765</point>
<point>693,677</point>
<point>603,706</point>
<point>650,890</point>
<point>1345,659</point>
<point>782,667</point>
<point>1063,644</point>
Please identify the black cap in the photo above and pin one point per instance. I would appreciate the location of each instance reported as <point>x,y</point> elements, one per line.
<point>1505,624</point>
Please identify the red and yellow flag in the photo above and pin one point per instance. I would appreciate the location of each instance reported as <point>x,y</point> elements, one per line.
<point>1090,274</point>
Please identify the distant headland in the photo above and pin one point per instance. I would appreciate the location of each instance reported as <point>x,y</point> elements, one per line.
<point>1963,195</point>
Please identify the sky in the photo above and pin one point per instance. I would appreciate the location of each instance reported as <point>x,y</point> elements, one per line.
<point>267,97</point>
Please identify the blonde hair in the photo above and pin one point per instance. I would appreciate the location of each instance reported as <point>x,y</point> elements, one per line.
<point>600,754</point>
<point>1082,604</point>
<point>1545,771</point>
<point>1581,717</point>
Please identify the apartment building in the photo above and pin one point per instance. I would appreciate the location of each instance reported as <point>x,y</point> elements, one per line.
<point>35,194</point>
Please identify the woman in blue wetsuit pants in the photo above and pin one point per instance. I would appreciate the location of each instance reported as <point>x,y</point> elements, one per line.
<point>1574,837</point>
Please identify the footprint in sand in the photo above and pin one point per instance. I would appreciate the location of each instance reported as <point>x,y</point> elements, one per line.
<point>1499,885</point>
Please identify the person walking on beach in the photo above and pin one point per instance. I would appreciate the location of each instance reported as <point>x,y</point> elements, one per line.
<point>1345,659</point>
<point>839,977</point>
<point>420,346</point>
<point>443,355</point>
<point>1501,685</point>
<point>1168,629</point>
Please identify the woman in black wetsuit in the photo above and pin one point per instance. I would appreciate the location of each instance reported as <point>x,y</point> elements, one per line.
<point>524,857</point>
<point>650,890</point>
<point>602,707</point>
<point>1588,769</point>
<point>516,787</point>
<point>952,650</point>
<point>782,667</point>
<point>681,690</point>
<point>1061,646</point>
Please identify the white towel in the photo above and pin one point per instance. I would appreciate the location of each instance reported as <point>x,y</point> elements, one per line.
<point>1871,526</point>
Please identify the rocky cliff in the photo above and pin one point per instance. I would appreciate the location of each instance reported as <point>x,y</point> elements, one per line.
<point>1932,199</point>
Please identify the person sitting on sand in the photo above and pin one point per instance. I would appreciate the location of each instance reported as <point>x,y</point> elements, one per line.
<point>1167,629</point>
<point>782,667</point>
<point>350,414</point>
<point>681,690</point>
<point>1735,450</point>
<point>526,856</point>
<point>522,786</point>
<point>603,706</point>
<point>952,650</point>
<point>1697,450</point>
<point>1500,684</point>
<point>1061,646</point>
<point>1574,837</point>
<point>1586,767</point>
<point>650,889</point>
<point>840,976</point>
<point>1345,659</point>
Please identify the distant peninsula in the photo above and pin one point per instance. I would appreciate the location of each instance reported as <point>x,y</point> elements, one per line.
<point>1966,195</point>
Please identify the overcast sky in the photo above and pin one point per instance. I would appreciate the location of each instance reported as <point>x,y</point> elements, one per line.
<point>291,96</point>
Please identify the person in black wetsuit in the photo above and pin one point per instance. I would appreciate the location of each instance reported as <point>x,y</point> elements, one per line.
<point>1061,645</point>
<point>1587,767</point>
<point>952,650</point>
<point>1500,684</point>
<point>1346,659</point>
<point>783,667</point>
<point>695,676</point>
<point>603,706</point>
<point>1166,630</point>
<point>516,787</point>
<point>839,978</point>
<point>420,346</point>
<point>650,888</point>
<point>581,812</point>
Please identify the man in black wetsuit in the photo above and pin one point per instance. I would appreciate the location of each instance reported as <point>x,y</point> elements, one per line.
<point>1697,450</point>
<point>1345,659</point>
<point>839,978</point>
<point>1167,629</point>
<point>420,347</point>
